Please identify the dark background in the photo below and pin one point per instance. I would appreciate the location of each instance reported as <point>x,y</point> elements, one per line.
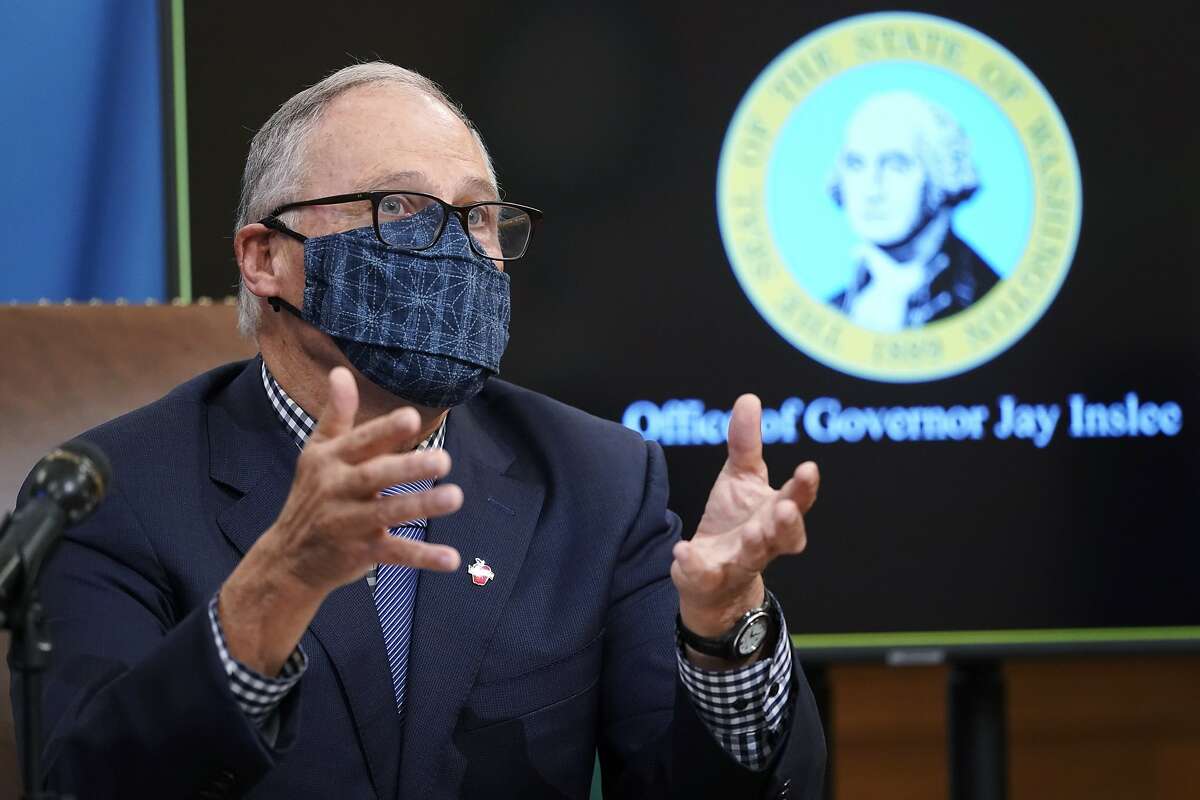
<point>611,117</point>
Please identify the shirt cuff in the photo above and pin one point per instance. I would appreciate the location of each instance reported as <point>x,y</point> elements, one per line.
<point>745,709</point>
<point>258,695</point>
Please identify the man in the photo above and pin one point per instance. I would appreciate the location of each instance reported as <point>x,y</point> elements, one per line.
<point>356,567</point>
<point>904,169</point>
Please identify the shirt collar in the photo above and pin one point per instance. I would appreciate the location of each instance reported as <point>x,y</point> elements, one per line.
<point>300,425</point>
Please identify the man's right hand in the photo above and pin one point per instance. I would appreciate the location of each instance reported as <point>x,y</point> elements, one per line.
<point>333,527</point>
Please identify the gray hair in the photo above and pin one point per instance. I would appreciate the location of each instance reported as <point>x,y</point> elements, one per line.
<point>275,166</point>
<point>941,143</point>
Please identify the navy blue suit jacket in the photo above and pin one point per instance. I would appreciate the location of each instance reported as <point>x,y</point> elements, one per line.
<point>512,686</point>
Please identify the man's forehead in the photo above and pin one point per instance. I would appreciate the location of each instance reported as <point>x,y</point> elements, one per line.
<point>880,132</point>
<point>394,137</point>
<point>416,180</point>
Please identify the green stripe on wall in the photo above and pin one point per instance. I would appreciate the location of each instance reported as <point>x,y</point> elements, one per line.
<point>1034,636</point>
<point>182,214</point>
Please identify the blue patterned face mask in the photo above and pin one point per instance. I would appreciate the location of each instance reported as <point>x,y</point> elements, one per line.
<point>428,326</point>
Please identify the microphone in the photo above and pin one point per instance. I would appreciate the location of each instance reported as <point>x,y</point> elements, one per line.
<point>63,489</point>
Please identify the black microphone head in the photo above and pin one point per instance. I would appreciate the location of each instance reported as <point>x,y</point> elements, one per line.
<point>76,476</point>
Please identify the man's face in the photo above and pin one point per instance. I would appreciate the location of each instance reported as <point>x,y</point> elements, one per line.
<point>375,137</point>
<point>883,181</point>
<point>387,137</point>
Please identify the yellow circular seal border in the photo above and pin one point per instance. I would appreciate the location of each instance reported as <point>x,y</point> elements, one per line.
<point>946,347</point>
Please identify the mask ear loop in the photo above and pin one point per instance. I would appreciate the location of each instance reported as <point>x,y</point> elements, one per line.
<point>276,224</point>
<point>278,303</point>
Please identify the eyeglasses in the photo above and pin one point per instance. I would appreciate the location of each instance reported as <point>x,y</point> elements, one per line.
<point>415,221</point>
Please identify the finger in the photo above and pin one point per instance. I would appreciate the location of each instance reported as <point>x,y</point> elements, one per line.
<point>395,510</point>
<point>413,553</point>
<point>787,533</point>
<point>802,487</point>
<point>756,548</point>
<point>337,416</point>
<point>778,530</point>
<point>381,472</point>
<point>745,434</point>
<point>680,552</point>
<point>381,435</point>
<point>688,561</point>
<point>702,572</point>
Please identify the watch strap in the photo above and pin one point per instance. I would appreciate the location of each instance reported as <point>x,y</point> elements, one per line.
<point>724,646</point>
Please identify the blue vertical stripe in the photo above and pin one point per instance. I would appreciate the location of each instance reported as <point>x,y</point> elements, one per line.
<point>395,586</point>
<point>83,198</point>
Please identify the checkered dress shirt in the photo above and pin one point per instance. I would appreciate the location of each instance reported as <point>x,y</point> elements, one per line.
<point>745,709</point>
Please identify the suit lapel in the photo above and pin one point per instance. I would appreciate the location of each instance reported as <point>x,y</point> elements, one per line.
<point>348,628</point>
<point>251,453</point>
<point>454,619</point>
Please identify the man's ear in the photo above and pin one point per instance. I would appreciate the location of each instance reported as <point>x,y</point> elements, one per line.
<point>259,259</point>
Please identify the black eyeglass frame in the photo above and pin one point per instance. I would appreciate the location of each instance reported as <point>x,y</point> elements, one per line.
<point>273,222</point>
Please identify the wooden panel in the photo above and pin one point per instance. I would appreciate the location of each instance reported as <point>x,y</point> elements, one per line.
<point>1116,728</point>
<point>68,368</point>
<point>889,732</point>
<point>1112,728</point>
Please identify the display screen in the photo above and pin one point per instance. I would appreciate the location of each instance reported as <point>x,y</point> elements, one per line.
<point>951,251</point>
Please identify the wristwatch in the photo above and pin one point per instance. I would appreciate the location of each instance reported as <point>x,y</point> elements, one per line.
<point>744,639</point>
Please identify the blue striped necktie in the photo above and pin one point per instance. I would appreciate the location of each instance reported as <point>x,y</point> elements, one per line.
<point>395,591</point>
<point>395,587</point>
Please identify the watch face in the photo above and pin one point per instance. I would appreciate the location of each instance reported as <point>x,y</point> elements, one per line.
<point>752,636</point>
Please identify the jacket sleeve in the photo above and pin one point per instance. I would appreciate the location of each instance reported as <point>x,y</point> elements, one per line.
<point>652,742</point>
<point>136,702</point>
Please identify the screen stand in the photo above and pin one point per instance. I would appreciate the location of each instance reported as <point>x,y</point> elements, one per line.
<point>977,731</point>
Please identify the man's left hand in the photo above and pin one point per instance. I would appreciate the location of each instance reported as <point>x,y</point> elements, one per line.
<point>746,524</point>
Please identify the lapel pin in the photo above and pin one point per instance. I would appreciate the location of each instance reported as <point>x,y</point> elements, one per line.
<point>480,572</point>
